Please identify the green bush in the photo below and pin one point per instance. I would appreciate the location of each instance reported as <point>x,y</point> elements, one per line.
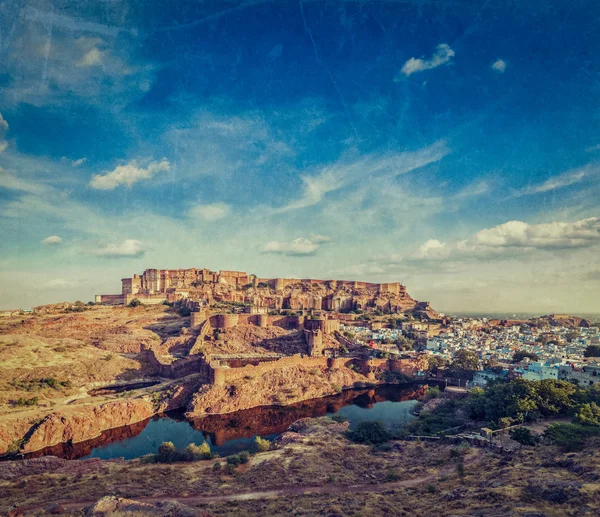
<point>167,453</point>
<point>135,303</point>
<point>261,445</point>
<point>433,392</point>
<point>339,418</point>
<point>216,466</point>
<point>148,458</point>
<point>234,460</point>
<point>21,401</point>
<point>570,437</point>
<point>195,452</point>
<point>229,469</point>
<point>524,436</point>
<point>371,432</point>
<point>244,457</point>
<point>392,475</point>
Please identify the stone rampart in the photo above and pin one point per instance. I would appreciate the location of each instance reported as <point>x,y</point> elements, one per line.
<point>112,299</point>
<point>224,321</point>
<point>223,376</point>
<point>287,322</point>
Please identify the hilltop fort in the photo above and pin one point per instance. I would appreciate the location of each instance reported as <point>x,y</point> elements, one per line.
<point>155,286</point>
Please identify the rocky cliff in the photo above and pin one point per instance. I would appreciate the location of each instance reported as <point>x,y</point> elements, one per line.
<point>75,424</point>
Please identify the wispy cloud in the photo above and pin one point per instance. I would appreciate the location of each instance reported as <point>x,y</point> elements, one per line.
<point>11,182</point>
<point>210,212</point>
<point>560,181</point>
<point>128,174</point>
<point>62,66</point>
<point>127,248</point>
<point>73,163</point>
<point>366,169</point>
<point>3,130</point>
<point>60,284</point>
<point>478,188</point>
<point>443,55</point>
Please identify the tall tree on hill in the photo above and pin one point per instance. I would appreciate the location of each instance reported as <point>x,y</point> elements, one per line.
<point>464,363</point>
<point>592,351</point>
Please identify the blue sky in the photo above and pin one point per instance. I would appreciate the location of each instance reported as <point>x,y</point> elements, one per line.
<point>453,146</point>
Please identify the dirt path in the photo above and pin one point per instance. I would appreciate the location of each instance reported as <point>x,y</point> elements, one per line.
<point>197,500</point>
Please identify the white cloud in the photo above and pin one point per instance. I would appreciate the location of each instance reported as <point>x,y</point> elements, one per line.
<point>128,174</point>
<point>298,247</point>
<point>320,239</point>
<point>431,247</point>
<point>91,58</point>
<point>442,55</point>
<point>210,212</point>
<point>593,148</point>
<point>499,66</point>
<point>52,240</point>
<point>555,235</point>
<point>513,237</point>
<point>127,248</point>
<point>366,169</point>
<point>561,180</point>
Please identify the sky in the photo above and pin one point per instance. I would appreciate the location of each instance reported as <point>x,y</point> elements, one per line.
<point>450,145</point>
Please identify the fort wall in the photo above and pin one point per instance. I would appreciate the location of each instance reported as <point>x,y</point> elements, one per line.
<point>112,299</point>
<point>146,299</point>
<point>224,376</point>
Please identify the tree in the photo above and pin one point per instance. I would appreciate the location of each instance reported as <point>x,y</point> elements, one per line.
<point>588,414</point>
<point>592,351</point>
<point>464,363</point>
<point>436,362</point>
<point>522,354</point>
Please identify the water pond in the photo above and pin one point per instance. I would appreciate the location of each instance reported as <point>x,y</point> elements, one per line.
<point>234,432</point>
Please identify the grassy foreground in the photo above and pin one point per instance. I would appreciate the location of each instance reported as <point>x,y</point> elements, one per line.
<point>316,470</point>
